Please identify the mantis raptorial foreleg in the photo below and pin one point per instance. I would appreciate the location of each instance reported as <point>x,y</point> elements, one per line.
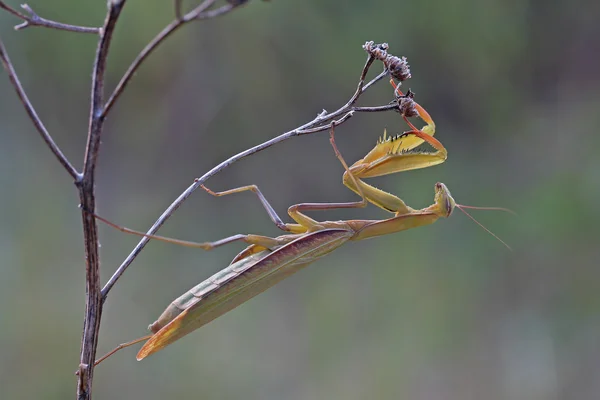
<point>390,156</point>
<point>429,127</point>
<point>396,154</point>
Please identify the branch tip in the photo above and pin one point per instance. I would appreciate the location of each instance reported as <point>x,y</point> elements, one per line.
<point>27,8</point>
<point>199,12</point>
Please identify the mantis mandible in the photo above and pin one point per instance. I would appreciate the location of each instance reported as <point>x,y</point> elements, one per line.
<point>267,261</point>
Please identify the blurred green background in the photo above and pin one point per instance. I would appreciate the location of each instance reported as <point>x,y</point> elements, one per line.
<point>443,312</point>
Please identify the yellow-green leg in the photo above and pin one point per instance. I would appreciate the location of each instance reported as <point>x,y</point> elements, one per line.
<point>389,156</point>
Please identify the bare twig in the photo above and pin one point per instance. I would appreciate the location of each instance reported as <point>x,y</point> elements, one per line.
<point>93,312</point>
<point>202,7</point>
<point>383,74</point>
<point>387,107</point>
<point>37,122</point>
<point>35,20</point>
<point>316,125</point>
<point>200,12</point>
<point>177,8</point>
<point>195,14</point>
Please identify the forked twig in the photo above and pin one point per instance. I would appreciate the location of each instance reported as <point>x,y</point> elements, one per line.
<point>37,122</point>
<point>200,12</point>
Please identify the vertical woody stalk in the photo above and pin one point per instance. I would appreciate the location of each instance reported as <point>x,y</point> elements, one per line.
<point>85,181</point>
<point>87,198</point>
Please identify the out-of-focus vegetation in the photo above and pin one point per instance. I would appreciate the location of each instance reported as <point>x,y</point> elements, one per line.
<point>443,312</point>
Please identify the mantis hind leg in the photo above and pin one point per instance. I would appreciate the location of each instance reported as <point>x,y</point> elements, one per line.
<point>264,241</point>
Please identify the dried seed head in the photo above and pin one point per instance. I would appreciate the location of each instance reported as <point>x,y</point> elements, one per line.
<point>378,51</point>
<point>398,67</point>
<point>406,105</point>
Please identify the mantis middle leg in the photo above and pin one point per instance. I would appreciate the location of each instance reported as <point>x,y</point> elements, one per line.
<point>304,222</point>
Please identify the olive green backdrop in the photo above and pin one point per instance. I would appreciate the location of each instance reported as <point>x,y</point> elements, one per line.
<point>442,312</point>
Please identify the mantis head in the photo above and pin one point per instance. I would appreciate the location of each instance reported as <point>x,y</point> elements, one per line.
<point>444,202</point>
<point>444,205</point>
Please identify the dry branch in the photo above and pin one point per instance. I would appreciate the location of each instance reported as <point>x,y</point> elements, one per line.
<point>85,181</point>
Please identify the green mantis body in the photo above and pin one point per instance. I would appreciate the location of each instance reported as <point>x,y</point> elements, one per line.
<point>266,261</point>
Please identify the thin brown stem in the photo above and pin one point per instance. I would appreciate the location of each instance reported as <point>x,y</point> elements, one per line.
<point>33,19</point>
<point>387,107</point>
<point>383,74</point>
<point>321,123</point>
<point>150,47</point>
<point>205,5</point>
<point>93,312</point>
<point>321,128</point>
<point>177,8</point>
<point>194,15</point>
<point>37,122</point>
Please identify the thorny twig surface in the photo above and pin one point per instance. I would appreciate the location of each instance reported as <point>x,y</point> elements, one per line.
<point>321,123</point>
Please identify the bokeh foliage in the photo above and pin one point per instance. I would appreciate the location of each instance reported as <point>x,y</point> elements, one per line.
<point>443,312</point>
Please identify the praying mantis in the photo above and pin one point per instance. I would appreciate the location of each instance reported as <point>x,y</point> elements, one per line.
<point>267,261</point>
